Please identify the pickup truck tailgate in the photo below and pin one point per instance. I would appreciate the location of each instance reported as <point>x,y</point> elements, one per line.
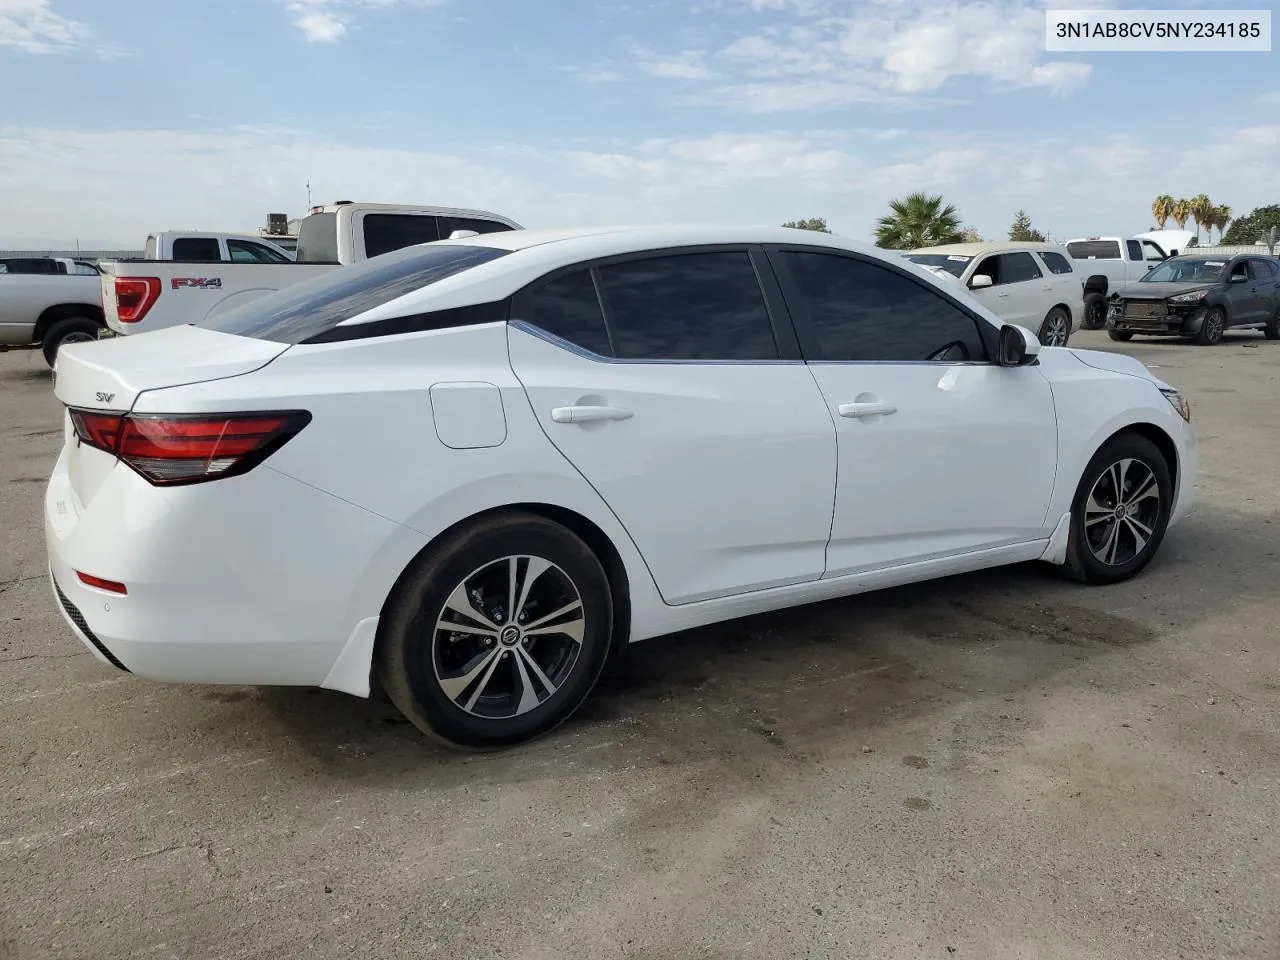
<point>106,376</point>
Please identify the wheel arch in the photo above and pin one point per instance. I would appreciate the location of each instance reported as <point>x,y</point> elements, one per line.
<point>1157,435</point>
<point>1096,283</point>
<point>61,311</point>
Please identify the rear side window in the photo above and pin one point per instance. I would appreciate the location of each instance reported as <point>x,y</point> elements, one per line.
<point>569,308</point>
<point>196,249</point>
<point>1134,248</point>
<point>691,306</point>
<point>318,239</point>
<point>305,312</point>
<point>450,224</point>
<point>384,232</point>
<point>1056,262</point>
<point>1094,250</point>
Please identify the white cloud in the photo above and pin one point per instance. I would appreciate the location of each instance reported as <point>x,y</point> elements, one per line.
<point>326,21</point>
<point>32,26</point>
<point>823,54</point>
<point>89,186</point>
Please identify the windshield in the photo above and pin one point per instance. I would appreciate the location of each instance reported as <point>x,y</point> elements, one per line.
<point>1186,270</point>
<point>953,263</point>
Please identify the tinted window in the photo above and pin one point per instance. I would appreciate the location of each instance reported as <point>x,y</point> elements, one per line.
<point>1134,248</point>
<point>693,306</point>
<point>1018,268</point>
<point>450,224</point>
<point>244,251</point>
<point>196,249</point>
<point>384,232</point>
<point>1056,262</point>
<point>303,312</point>
<point>1094,250</point>
<point>569,308</point>
<point>318,239</point>
<point>1267,269</point>
<point>858,310</point>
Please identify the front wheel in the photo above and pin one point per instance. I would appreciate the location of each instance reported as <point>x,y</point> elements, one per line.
<point>497,635</point>
<point>1212,327</point>
<point>1120,512</point>
<point>1056,328</point>
<point>1123,336</point>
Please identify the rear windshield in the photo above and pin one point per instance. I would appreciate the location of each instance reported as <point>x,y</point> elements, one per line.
<point>303,312</point>
<point>1094,249</point>
<point>318,239</point>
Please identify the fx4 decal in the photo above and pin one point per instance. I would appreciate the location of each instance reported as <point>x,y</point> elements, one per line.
<point>198,283</point>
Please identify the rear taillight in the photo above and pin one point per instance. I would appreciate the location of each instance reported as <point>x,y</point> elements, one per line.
<point>173,449</point>
<point>135,296</point>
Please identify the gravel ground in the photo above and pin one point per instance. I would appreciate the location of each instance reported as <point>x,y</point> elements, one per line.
<point>1002,765</point>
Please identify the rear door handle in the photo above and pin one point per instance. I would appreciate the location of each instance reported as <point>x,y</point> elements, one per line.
<point>588,414</point>
<point>873,409</point>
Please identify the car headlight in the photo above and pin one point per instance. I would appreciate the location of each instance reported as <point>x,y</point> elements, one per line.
<point>1195,296</point>
<point>1179,403</point>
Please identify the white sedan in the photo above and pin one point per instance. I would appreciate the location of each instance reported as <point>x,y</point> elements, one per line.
<point>474,467</point>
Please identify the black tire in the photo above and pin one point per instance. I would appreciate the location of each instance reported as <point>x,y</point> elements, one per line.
<point>1123,336</point>
<point>412,653</point>
<point>67,330</point>
<point>1095,311</point>
<point>1272,330</point>
<point>1212,327</point>
<point>1091,527</point>
<point>1057,322</point>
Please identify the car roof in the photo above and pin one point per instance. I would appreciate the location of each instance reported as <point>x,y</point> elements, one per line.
<point>990,246</point>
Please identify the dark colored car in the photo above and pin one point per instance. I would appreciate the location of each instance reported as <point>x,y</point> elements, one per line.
<point>1200,297</point>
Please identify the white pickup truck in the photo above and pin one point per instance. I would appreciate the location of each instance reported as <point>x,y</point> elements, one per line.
<point>1110,264</point>
<point>190,246</point>
<point>48,301</point>
<point>143,295</point>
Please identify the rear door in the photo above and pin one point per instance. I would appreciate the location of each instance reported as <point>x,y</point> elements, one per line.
<point>672,386</point>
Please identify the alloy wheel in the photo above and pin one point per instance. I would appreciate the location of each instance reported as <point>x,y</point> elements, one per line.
<point>1122,512</point>
<point>508,638</point>
<point>1055,330</point>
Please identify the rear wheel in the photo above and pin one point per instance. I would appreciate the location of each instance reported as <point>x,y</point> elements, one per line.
<point>1124,336</point>
<point>67,330</point>
<point>497,636</point>
<point>1056,328</point>
<point>1095,311</point>
<point>1120,512</point>
<point>1212,327</point>
<point>1272,330</point>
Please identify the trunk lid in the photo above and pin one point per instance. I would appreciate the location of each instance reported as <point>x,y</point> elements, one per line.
<point>107,376</point>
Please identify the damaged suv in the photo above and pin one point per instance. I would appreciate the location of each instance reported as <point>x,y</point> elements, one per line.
<point>1199,298</point>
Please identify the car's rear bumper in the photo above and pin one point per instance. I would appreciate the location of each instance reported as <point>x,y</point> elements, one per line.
<point>262,582</point>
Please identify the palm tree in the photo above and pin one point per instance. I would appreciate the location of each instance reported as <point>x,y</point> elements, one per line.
<point>1181,213</point>
<point>1162,209</point>
<point>1201,208</point>
<point>1221,217</point>
<point>918,220</point>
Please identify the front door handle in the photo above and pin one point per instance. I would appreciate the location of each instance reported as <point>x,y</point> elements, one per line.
<point>873,408</point>
<point>588,414</point>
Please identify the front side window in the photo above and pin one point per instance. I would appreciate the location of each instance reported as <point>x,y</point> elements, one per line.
<point>244,251</point>
<point>306,311</point>
<point>384,232</point>
<point>688,306</point>
<point>569,308</point>
<point>1153,252</point>
<point>1056,262</point>
<point>856,310</point>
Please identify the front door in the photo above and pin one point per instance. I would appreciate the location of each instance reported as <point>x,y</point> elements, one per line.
<point>716,455</point>
<point>941,452</point>
<point>1015,293</point>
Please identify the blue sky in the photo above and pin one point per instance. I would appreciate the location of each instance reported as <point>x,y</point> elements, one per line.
<point>149,114</point>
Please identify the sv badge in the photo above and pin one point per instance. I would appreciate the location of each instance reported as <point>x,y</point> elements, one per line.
<point>104,397</point>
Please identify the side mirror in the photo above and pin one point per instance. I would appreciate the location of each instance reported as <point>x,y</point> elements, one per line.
<point>979,280</point>
<point>1018,346</point>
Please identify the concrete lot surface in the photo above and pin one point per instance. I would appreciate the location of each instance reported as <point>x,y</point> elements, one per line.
<point>1003,765</point>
